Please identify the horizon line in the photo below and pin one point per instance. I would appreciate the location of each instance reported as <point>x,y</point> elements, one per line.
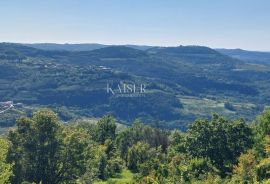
<point>132,44</point>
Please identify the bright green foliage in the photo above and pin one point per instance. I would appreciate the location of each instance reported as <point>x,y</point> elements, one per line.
<point>220,140</point>
<point>102,163</point>
<point>210,152</point>
<point>199,168</point>
<point>43,153</point>
<point>5,167</point>
<point>176,174</point>
<point>92,164</point>
<point>155,137</point>
<point>155,164</point>
<point>263,123</point>
<point>125,177</point>
<point>262,129</point>
<point>245,171</point>
<point>183,169</point>
<point>263,167</point>
<point>177,141</point>
<point>138,154</point>
<point>75,152</point>
<point>263,170</point>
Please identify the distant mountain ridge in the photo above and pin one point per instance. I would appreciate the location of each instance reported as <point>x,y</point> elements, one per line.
<point>79,47</point>
<point>245,55</point>
<point>251,56</point>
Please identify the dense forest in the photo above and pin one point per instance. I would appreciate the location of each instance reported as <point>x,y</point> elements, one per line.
<point>40,149</point>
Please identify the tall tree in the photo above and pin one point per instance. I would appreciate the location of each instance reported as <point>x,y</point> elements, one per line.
<point>124,141</point>
<point>43,152</point>
<point>220,140</point>
<point>138,154</point>
<point>106,128</point>
<point>263,123</point>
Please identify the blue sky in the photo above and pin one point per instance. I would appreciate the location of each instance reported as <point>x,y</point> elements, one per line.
<point>218,24</point>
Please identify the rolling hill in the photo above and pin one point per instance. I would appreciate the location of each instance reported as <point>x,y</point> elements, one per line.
<point>182,83</point>
<point>250,56</point>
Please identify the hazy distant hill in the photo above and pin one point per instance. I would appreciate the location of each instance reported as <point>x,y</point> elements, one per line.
<point>251,56</point>
<point>77,47</point>
<point>68,47</point>
<point>182,83</point>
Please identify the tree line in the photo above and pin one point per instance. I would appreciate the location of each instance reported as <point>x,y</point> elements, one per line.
<point>42,150</point>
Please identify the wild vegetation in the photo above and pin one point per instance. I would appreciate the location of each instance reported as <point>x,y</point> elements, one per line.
<point>42,150</point>
<point>169,135</point>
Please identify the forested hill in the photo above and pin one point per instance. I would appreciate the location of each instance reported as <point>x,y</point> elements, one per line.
<point>250,56</point>
<point>182,83</point>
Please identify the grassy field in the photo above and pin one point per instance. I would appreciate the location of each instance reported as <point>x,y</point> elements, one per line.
<point>199,107</point>
<point>202,106</point>
<point>125,177</point>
